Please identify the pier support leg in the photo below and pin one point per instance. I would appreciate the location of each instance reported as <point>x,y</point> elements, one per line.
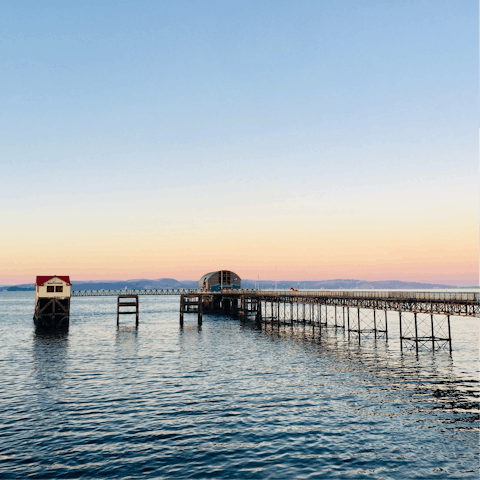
<point>401,334</point>
<point>416,332</point>
<point>386,325</point>
<point>258,317</point>
<point>242,308</point>
<point>423,331</point>
<point>200,311</point>
<point>182,309</point>
<point>449,334</point>
<point>136,316</point>
<point>52,314</point>
<point>348,321</point>
<point>433,332</point>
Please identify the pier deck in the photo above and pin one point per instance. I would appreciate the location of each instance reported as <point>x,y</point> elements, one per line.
<point>424,317</point>
<point>444,303</point>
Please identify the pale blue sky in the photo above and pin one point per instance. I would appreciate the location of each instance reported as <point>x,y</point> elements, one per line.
<point>181,105</point>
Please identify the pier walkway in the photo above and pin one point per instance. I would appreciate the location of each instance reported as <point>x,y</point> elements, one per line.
<point>131,291</point>
<point>446,303</point>
<point>423,317</point>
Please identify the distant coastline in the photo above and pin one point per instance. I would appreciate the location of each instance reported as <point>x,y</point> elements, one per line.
<point>262,284</point>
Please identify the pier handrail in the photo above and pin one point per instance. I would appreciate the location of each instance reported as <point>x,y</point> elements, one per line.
<point>133,291</point>
<point>467,297</point>
<point>470,297</point>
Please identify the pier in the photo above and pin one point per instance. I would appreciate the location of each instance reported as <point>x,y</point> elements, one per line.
<point>424,317</point>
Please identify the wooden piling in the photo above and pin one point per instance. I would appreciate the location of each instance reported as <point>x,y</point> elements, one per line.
<point>52,313</point>
<point>182,308</point>
<point>121,305</point>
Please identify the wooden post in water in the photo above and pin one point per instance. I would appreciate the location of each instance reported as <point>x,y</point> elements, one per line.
<point>241,312</point>
<point>182,308</point>
<point>258,317</point>
<point>200,310</point>
<point>449,334</point>
<point>133,303</point>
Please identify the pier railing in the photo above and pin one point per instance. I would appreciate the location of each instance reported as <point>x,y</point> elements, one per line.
<point>448,297</point>
<point>132,291</point>
<point>473,297</point>
<point>424,317</point>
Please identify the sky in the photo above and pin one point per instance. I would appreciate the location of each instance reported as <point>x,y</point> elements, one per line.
<point>278,139</point>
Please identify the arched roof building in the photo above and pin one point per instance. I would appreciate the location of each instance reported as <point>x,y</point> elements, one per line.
<point>215,281</point>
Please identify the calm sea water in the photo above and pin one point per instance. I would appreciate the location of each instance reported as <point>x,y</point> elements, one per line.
<point>227,400</point>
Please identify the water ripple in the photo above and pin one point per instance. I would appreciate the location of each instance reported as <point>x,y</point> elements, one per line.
<point>227,400</point>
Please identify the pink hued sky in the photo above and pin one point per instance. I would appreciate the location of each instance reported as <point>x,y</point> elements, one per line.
<point>447,257</point>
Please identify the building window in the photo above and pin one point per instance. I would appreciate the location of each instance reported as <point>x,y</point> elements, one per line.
<point>50,289</point>
<point>59,288</point>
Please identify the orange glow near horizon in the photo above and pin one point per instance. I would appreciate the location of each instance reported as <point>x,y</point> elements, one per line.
<point>355,250</point>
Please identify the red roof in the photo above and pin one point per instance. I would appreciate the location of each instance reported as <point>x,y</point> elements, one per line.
<point>41,279</point>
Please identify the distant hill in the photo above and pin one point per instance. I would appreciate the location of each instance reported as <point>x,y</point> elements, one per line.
<point>263,284</point>
<point>18,288</point>
<point>345,284</point>
<point>135,284</point>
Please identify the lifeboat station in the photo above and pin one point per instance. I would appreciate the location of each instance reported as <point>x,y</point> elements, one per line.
<point>217,281</point>
<point>52,302</point>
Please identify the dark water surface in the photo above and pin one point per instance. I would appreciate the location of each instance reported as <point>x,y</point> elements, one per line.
<point>227,400</point>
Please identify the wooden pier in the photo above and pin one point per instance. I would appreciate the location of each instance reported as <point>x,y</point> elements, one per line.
<point>192,303</point>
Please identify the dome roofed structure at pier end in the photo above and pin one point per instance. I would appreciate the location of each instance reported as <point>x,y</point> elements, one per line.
<point>217,281</point>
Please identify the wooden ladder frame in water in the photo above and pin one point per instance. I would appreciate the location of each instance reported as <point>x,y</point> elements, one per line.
<point>127,304</point>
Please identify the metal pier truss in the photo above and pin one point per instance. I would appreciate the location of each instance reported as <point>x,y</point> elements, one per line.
<point>131,291</point>
<point>424,317</point>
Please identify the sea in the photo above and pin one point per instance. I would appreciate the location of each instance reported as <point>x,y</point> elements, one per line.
<point>229,399</point>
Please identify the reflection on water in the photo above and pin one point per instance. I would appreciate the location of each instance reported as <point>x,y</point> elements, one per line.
<point>227,400</point>
<point>428,373</point>
<point>49,354</point>
<point>126,335</point>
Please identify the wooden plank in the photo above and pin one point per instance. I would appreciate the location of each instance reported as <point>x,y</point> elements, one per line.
<point>57,302</point>
<point>47,304</point>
